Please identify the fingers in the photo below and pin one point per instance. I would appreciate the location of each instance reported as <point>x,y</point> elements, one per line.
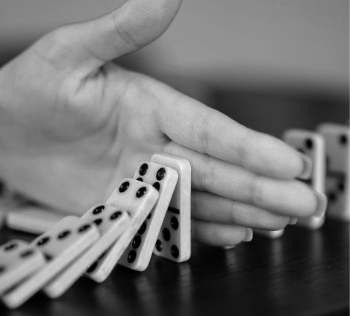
<point>220,235</point>
<point>131,26</point>
<point>283,197</point>
<point>205,130</point>
<point>213,208</point>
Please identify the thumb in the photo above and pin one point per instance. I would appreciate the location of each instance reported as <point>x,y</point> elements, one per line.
<point>131,26</point>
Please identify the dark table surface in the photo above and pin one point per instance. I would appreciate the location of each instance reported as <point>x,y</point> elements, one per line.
<point>302,273</point>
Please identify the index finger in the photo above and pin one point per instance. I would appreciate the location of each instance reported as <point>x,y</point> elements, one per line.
<point>205,130</point>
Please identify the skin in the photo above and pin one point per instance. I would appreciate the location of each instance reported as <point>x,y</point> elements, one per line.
<point>73,125</point>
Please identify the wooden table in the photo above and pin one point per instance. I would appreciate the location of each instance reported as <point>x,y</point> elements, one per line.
<point>302,273</point>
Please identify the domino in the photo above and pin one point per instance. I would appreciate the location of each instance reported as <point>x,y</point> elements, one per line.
<point>138,254</point>
<point>32,219</point>
<point>5,206</point>
<point>311,144</point>
<point>2,215</point>
<point>3,209</point>
<point>60,245</point>
<point>18,260</point>
<point>337,181</point>
<point>273,234</point>
<point>111,223</point>
<point>174,239</point>
<point>137,199</point>
<point>8,201</point>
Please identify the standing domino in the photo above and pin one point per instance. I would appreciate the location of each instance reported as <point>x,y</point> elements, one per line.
<point>5,206</point>
<point>60,245</point>
<point>137,199</point>
<point>174,240</point>
<point>111,223</point>
<point>18,260</point>
<point>139,252</point>
<point>337,182</point>
<point>312,145</point>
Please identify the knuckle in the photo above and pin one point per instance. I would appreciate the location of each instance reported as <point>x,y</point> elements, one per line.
<point>244,148</point>
<point>54,48</point>
<point>122,31</point>
<point>205,173</point>
<point>232,212</point>
<point>256,191</point>
<point>194,206</point>
<point>200,130</point>
<point>59,39</point>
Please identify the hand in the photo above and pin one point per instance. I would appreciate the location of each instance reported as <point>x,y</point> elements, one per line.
<point>73,124</point>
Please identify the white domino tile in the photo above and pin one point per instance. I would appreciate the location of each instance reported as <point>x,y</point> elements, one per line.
<point>174,239</point>
<point>137,199</point>
<point>60,245</point>
<point>138,254</point>
<point>337,181</point>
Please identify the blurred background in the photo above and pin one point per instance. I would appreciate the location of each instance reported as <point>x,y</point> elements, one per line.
<point>271,65</point>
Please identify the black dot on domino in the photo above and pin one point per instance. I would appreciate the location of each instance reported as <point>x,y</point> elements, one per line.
<point>26,254</point>
<point>83,228</point>
<point>142,229</point>
<point>343,139</point>
<point>174,223</point>
<point>308,143</point>
<point>2,188</point>
<point>139,179</point>
<point>143,169</point>
<point>131,256</point>
<point>11,247</point>
<point>124,186</point>
<point>2,269</point>
<point>43,241</point>
<point>136,242</point>
<point>98,209</point>
<point>141,192</point>
<point>156,185</point>
<point>92,267</point>
<point>166,234</point>
<point>48,257</point>
<point>160,174</point>
<point>331,196</point>
<point>159,245</point>
<point>98,221</point>
<point>64,234</point>
<point>174,251</point>
<point>115,215</point>
<point>341,186</point>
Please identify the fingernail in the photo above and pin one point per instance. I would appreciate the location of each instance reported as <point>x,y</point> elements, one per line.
<point>249,235</point>
<point>321,204</point>
<point>307,169</point>
<point>228,247</point>
<point>293,220</point>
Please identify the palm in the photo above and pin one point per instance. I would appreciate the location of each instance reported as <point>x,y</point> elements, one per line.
<point>127,131</point>
<point>109,128</point>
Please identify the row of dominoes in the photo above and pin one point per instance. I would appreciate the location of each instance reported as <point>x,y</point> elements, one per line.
<point>147,213</point>
<point>328,148</point>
